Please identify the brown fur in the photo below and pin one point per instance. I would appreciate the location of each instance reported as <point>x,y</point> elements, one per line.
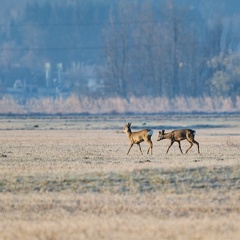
<point>177,136</point>
<point>138,137</point>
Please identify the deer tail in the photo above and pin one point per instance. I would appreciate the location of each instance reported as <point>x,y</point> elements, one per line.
<point>150,133</point>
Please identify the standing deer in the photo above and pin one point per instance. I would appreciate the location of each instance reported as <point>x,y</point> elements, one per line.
<point>177,136</point>
<point>138,137</point>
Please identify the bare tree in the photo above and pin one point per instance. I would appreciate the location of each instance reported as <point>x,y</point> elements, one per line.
<point>117,49</point>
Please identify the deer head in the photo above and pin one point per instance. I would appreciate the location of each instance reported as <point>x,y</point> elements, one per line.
<point>161,135</point>
<point>127,128</point>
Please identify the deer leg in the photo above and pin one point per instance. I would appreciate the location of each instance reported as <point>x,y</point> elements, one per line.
<point>189,147</point>
<point>129,148</point>
<point>194,141</point>
<point>150,146</point>
<point>179,144</point>
<point>140,148</point>
<point>170,146</point>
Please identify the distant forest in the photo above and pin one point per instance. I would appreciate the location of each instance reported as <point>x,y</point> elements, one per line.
<point>153,48</point>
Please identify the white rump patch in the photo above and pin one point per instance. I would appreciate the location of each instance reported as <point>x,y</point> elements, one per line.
<point>150,133</point>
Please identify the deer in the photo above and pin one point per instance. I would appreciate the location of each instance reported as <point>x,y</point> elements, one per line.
<point>177,136</point>
<point>138,137</point>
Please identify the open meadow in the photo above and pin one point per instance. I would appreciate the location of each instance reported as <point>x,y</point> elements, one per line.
<point>69,177</point>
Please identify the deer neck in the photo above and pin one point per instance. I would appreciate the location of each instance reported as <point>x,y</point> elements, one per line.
<point>129,133</point>
<point>167,135</point>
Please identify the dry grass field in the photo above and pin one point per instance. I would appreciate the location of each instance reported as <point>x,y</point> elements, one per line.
<point>69,177</point>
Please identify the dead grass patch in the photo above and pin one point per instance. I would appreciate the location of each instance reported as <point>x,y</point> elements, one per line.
<point>64,180</point>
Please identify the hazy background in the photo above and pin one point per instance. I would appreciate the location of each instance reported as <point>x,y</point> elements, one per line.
<point>108,55</point>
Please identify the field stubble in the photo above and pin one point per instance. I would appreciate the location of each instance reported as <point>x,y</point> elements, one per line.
<point>67,179</point>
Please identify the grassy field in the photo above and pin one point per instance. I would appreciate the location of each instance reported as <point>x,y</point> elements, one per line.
<point>70,178</point>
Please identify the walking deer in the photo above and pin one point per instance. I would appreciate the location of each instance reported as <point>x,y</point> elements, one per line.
<point>177,136</point>
<point>138,137</point>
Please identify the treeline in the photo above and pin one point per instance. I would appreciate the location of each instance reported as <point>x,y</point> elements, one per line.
<point>137,48</point>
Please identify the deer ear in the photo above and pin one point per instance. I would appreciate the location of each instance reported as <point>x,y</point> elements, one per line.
<point>163,131</point>
<point>129,124</point>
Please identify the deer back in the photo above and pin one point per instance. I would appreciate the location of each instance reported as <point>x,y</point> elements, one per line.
<point>140,136</point>
<point>182,134</point>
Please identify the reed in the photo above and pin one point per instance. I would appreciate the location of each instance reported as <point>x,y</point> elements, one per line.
<point>74,104</point>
